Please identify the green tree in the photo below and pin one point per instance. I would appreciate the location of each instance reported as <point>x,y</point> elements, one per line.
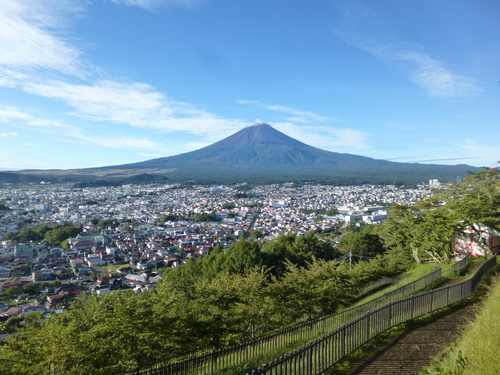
<point>107,223</point>
<point>401,234</point>
<point>306,293</point>
<point>59,233</point>
<point>242,256</point>
<point>204,217</point>
<point>362,243</point>
<point>296,249</point>
<point>231,308</point>
<point>474,202</point>
<point>108,334</point>
<point>169,217</point>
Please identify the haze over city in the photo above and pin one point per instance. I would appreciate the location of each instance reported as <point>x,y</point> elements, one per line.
<point>95,83</point>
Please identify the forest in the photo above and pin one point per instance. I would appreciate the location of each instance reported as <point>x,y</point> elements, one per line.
<point>250,289</point>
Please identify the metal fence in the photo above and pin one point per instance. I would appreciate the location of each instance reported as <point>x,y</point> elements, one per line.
<point>321,354</point>
<point>208,363</point>
<point>455,267</point>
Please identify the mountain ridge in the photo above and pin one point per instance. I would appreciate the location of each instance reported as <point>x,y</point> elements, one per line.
<point>260,152</point>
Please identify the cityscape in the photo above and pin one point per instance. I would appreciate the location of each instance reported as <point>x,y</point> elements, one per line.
<point>249,188</point>
<point>131,231</point>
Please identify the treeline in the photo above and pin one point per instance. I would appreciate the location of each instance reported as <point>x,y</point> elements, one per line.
<point>227,297</point>
<point>247,290</point>
<point>55,235</point>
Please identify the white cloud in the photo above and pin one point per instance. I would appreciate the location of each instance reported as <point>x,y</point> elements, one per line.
<point>436,80</point>
<point>32,39</point>
<point>327,138</point>
<point>152,5</point>
<point>488,155</point>
<point>362,29</point>
<point>7,115</point>
<point>34,49</point>
<point>132,103</point>
<point>11,134</point>
<point>135,104</point>
<point>15,117</point>
<point>298,115</point>
<point>56,128</point>
<point>9,164</point>
<point>38,56</point>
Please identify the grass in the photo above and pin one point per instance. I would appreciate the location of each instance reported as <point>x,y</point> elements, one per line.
<point>254,363</point>
<point>473,354</point>
<point>115,267</point>
<point>476,351</point>
<point>407,278</point>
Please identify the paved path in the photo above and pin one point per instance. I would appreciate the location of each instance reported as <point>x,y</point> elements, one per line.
<point>411,352</point>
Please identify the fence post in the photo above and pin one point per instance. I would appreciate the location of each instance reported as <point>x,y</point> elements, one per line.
<point>309,361</point>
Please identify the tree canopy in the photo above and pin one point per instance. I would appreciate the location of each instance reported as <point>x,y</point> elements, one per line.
<point>239,293</point>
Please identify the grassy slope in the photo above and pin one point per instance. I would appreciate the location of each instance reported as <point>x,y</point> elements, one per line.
<point>481,339</point>
<point>407,278</point>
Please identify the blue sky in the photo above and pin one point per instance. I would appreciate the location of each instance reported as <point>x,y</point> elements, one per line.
<point>86,83</point>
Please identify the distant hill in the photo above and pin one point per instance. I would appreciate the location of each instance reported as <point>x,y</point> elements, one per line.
<point>260,153</point>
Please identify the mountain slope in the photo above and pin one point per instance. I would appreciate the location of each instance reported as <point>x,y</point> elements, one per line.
<point>259,147</point>
<point>262,153</point>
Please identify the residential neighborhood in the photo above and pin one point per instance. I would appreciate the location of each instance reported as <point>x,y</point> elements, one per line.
<point>129,234</point>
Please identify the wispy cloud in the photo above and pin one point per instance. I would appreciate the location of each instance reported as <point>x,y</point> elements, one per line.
<point>37,57</point>
<point>326,137</point>
<point>135,104</point>
<point>452,152</point>
<point>33,39</point>
<point>363,29</point>
<point>297,115</point>
<point>11,134</point>
<point>472,148</point>
<point>152,5</point>
<point>431,75</point>
<point>56,128</point>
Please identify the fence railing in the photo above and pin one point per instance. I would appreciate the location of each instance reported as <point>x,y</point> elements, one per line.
<point>208,363</point>
<point>321,354</point>
<point>455,267</point>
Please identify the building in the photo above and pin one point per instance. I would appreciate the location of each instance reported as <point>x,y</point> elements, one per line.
<point>466,245</point>
<point>5,272</point>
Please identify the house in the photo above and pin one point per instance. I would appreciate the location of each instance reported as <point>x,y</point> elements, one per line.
<point>13,311</point>
<point>53,300</point>
<point>82,242</point>
<point>125,270</point>
<point>466,245</point>
<point>30,309</point>
<point>4,272</point>
<point>131,277</point>
<point>95,262</point>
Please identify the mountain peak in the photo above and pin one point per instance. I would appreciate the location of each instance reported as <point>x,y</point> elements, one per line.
<point>259,150</point>
<point>259,124</point>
